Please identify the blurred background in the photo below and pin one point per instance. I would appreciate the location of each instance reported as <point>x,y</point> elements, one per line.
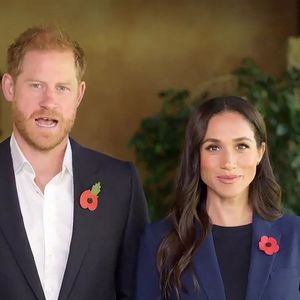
<point>142,54</point>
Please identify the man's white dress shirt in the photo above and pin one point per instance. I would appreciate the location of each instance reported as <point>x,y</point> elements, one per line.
<point>48,217</point>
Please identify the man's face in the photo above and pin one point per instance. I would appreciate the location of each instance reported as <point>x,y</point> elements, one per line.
<point>45,96</point>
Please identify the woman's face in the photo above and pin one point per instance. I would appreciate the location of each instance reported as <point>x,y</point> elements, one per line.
<point>229,156</point>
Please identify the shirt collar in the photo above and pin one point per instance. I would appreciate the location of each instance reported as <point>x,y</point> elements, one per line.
<point>67,162</point>
<point>20,161</point>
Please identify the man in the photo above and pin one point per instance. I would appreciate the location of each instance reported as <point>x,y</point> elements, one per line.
<point>70,218</point>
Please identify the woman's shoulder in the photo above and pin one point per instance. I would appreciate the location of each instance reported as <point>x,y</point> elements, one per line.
<point>291,219</point>
<point>156,231</point>
<point>289,222</point>
<point>160,227</point>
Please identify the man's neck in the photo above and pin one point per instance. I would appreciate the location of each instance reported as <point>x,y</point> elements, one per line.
<point>46,164</point>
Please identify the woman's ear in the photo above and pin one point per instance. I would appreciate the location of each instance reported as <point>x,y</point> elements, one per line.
<point>261,151</point>
<point>8,87</point>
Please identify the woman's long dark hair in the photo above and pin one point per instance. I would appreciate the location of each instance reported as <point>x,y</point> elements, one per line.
<point>176,250</point>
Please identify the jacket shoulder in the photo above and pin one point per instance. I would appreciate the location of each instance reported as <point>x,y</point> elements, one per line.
<point>289,223</point>
<point>290,219</point>
<point>156,231</point>
<point>95,158</point>
<point>93,154</point>
<point>4,145</point>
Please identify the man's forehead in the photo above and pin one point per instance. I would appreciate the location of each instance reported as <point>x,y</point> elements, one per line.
<point>39,64</point>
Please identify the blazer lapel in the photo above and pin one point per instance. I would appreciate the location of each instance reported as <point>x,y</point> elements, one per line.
<point>208,271</point>
<point>260,263</point>
<point>83,219</point>
<point>11,222</point>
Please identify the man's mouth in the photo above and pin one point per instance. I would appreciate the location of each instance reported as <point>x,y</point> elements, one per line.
<point>46,122</point>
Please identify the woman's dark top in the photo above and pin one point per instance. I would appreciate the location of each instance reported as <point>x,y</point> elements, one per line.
<point>233,247</point>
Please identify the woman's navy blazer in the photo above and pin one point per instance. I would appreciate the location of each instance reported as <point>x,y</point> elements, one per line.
<point>271,277</point>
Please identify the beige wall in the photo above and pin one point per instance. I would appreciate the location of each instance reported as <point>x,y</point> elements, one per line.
<point>137,48</point>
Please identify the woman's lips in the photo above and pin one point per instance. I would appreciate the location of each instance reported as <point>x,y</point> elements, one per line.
<point>227,179</point>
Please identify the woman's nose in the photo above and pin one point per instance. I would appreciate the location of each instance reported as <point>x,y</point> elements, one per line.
<point>229,161</point>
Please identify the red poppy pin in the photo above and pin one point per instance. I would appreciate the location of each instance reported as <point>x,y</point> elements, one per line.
<point>269,245</point>
<point>89,198</point>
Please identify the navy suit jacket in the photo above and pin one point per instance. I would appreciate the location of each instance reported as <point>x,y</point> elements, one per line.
<point>275,277</point>
<point>103,250</point>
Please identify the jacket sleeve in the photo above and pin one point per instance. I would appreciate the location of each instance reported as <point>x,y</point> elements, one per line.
<point>137,218</point>
<point>147,276</point>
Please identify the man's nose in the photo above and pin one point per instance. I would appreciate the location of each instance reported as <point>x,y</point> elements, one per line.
<point>48,99</point>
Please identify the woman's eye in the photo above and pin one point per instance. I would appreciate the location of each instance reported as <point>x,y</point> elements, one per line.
<point>242,146</point>
<point>212,148</point>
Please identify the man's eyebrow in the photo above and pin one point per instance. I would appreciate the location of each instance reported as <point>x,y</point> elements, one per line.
<point>64,82</point>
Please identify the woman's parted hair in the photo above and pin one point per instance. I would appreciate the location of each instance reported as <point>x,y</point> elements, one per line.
<point>48,37</point>
<point>189,211</point>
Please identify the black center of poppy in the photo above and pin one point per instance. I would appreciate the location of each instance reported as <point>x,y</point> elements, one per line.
<point>268,244</point>
<point>89,200</point>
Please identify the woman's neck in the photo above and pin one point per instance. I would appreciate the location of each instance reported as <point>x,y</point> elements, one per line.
<point>229,212</point>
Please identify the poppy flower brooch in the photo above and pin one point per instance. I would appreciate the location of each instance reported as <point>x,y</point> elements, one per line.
<point>89,198</point>
<point>268,245</point>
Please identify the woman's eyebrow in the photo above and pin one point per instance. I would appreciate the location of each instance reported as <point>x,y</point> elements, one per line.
<point>239,139</point>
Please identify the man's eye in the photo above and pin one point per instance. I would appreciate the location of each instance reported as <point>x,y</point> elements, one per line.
<point>36,85</point>
<point>62,88</point>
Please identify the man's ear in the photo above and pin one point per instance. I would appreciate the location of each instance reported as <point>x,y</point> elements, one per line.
<point>81,90</point>
<point>8,87</point>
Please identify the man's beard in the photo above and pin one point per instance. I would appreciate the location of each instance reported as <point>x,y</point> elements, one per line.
<point>42,141</point>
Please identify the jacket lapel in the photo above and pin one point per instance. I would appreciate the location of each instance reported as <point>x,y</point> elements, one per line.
<point>208,271</point>
<point>83,219</point>
<point>260,263</point>
<point>11,222</point>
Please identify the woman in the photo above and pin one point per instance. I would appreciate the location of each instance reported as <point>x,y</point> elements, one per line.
<point>226,236</point>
